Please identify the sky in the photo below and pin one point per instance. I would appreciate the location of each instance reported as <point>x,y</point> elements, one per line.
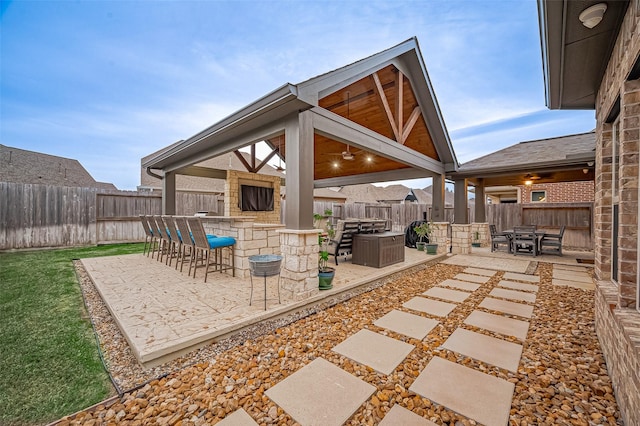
<point>109,82</point>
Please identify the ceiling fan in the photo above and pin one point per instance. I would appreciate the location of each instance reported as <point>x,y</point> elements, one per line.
<point>347,154</point>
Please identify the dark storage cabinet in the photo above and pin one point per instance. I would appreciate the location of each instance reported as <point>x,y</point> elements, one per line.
<point>378,250</point>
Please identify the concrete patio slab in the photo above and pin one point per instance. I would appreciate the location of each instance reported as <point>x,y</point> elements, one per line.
<point>513,294</point>
<point>472,278</point>
<point>574,284</point>
<point>379,352</point>
<point>521,277</point>
<point>582,277</point>
<point>480,271</point>
<point>408,324</point>
<point>164,313</point>
<point>484,348</point>
<point>400,416</point>
<point>518,286</point>
<point>497,263</point>
<point>571,268</point>
<point>481,397</point>
<point>320,394</point>
<point>447,294</point>
<point>511,308</point>
<point>430,306</point>
<point>238,418</point>
<point>462,285</point>
<point>498,324</point>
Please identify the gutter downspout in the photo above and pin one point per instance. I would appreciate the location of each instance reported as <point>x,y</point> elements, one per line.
<point>150,173</point>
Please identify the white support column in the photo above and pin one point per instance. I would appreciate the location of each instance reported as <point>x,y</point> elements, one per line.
<point>169,193</point>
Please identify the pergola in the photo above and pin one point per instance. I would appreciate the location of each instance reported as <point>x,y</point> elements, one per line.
<point>371,121</point>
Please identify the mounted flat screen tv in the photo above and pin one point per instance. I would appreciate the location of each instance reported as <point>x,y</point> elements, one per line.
<point>256,198</point>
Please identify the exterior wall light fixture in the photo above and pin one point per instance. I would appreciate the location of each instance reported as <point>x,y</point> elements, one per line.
<point>591,16</point>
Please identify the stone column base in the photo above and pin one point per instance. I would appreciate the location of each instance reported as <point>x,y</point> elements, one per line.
<point>484,235</point>
<point>461,238</point>
<point>439,236</point>
<point>299,274</point>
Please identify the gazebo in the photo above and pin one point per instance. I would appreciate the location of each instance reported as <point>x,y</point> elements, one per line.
<point>374,120</point>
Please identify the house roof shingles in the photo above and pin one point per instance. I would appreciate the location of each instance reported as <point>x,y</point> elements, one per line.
<point>22,166</point>
<point>535,152</point>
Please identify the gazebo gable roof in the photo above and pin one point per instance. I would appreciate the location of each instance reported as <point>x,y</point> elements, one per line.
<point>419,127</point>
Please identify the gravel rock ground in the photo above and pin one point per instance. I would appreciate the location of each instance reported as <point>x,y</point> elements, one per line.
<point>562,377</point>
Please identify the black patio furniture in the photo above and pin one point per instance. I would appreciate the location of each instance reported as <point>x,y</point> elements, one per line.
<point>552,243</point>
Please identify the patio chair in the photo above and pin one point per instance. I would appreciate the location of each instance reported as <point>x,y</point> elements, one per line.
<point>205,247</point>
<point>175,241</point>
<point>552,243</point>
<point>525,240</point>
<point>499,238</point>
<point>150,238</point>
<point>186,241</point>
<point>164,241</point>
<point>342,242</point>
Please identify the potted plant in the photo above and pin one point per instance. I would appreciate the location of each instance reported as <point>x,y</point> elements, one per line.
<point>318,218</point>
<point>422,230</point>
<point>325,272</point>
<point>476,239</point>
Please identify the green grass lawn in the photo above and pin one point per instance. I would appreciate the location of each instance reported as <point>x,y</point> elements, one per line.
<point>49,362</point>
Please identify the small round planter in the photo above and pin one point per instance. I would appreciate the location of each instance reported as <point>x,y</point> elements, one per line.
<point>475,244</point>
<point>420,245</point>
<point>431,248</point>
<point>325,278</point>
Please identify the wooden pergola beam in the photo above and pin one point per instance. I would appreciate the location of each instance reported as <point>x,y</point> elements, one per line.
<point>384,103</point>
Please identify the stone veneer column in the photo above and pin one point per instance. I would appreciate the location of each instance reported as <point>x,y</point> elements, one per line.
<point>439,236</point>
<point>628,226</point>
<point>299,274</point>
<point>460,238</point>
<point>482,228</point>
<point>602,205</point>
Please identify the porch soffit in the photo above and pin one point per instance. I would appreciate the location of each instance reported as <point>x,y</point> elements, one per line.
<point>575,57</point>
<point>362,89</point>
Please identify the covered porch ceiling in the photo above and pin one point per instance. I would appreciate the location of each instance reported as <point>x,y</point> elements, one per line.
<point>374,120</point>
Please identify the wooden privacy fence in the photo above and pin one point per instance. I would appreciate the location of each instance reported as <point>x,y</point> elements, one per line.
<point>576,217</point>
<point>33,215</point>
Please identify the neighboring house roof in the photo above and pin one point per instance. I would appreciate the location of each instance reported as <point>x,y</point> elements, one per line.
<point>371,194</point>
<point>574,57</point>
<point>321,194</point>
<point>22,166</point>
<point>558,159</point>
<point>346,106</point>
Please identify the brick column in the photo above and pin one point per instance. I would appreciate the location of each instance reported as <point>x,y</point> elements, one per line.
<point>628,228</point>
<point>602,204</point>
<point>299,274</point>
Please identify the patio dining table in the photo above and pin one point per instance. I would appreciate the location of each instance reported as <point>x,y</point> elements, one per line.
<point>538,235</point>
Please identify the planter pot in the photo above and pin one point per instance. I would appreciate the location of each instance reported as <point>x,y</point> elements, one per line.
<point>420,245</point>
<point>325,278</point>
<point>432,248</point>
<point>475,244</point>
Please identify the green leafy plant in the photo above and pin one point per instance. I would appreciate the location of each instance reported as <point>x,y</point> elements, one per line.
<point>423,230</point>
<point>323,255</point>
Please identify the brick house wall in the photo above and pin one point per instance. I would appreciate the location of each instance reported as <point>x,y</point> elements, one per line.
<point>617,316</point>
<point>562,192</point>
